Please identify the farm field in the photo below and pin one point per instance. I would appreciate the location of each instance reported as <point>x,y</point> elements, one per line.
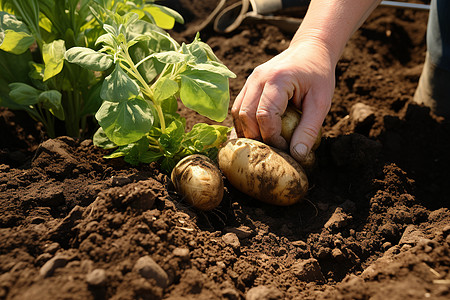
<point>375,225</point>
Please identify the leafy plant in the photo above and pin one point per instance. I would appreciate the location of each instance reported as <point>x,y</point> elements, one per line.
<point>34,36</point>
<point>150,71</point>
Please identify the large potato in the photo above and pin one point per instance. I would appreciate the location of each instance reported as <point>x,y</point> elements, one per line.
<point>263,172</point>
<point>199,180</point>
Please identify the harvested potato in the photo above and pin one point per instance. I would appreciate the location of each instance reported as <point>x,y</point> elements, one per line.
<point>199,180</point>
<point>290,120</point>
<point>263,172</point>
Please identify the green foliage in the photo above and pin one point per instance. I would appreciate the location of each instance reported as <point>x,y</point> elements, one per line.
<point>151,71</point>
<point>34,36</point>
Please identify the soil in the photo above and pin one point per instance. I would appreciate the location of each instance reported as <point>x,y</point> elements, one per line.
<point>375,224</point>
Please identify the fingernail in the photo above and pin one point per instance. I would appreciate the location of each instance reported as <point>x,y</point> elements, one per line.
<point>301,150</point>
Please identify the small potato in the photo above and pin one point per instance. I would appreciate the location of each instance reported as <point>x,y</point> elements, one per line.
<point>290,120</point>
<point>199,180</point>
<point>263,172</point>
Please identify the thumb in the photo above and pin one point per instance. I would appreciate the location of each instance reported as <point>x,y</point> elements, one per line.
<point>307,130</point>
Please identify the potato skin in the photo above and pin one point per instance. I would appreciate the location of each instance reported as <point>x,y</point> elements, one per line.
<point>263,172</point>
<point>289,122</point>
<point>199,180</point>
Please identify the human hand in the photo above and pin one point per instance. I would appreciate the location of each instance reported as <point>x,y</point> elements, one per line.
<point>303,74</point>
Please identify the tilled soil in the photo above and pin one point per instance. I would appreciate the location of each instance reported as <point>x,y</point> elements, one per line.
<point>375,224</point>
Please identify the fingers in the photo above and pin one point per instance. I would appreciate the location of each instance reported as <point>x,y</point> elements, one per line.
<point>244,110</point>
<point>258,108</point>
<point>273,103</point>
<point>304,137</point>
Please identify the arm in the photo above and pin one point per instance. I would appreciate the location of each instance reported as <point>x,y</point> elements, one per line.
<point>303,73</point>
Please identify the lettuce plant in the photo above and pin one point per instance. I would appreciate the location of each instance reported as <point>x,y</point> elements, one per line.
<point>34,36</point>
<point>148,72</point>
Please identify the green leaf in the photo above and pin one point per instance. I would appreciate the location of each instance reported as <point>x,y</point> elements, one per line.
<point>170,105</point>
<point>53,55</point>
<point>118,86</point>
<point>164,17</point>
<point>171,57</point>
<point>206,93</point>
<point>125,122</point>
<point>15,37</point>
<point>88,58</point>
<point>214,67</point>
<point>106,39</point>
<point>164,88</point>
<point>101,140</point>
<point>204,136</point>
<point>171,139</point>
<point>51,100</point>
<point>150,156</point>
<point>24,94</point>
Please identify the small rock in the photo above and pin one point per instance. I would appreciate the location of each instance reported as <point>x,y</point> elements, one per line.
<point>50,266</point>
<point>120,180</point>
<point>183,253</point>
<point>386,245</point>
<point>308,270</point>
<point>362,115</point>
<point>412,235</point>
<point>52,248</point>
<point>337,254</point>
<point>42,259</point>
<point>389,231</point>
<point>338,219</point>
<point>96,277</point>
<point>241,232</point>
<point>149,269</point>
<point>300,244</point>
<point>232,240</point>
<point>263,292</point>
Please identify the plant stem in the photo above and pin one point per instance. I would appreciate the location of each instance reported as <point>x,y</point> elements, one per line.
<point>146,88</point>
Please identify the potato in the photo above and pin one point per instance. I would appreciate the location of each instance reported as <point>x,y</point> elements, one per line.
<point>263,172</point>
<point>290,120</point>
<point>199,180</point>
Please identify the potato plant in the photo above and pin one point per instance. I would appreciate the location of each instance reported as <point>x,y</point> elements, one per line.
<point>148,72</point>
<point>34,36</point>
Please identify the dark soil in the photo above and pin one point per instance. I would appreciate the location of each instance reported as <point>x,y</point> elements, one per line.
<point>376,223</point>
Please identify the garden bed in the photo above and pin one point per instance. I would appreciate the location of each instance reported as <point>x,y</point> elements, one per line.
<point>376,222</point>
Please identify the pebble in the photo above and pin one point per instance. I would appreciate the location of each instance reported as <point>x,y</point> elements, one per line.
<point>263,292</point>
<point>300,244</point>
<point>50,266</point>
<point>182,253</point>
<point>338,219</point>
<point>96,277</point>
<point>241,232</point>
<point>120,180</point>
<point>412,235</point>
<point>362,114</point>
<point>149,269</point>
<point>386,245</point>
<point>232,240</point>
<point>308,270</point>
<point>42,259</point>
<point>337,254</point>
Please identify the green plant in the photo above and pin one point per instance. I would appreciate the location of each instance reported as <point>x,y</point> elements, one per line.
<point>34,35</point>
<point>150,71</point>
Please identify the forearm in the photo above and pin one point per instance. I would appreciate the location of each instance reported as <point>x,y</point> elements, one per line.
<point>329,24</point>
